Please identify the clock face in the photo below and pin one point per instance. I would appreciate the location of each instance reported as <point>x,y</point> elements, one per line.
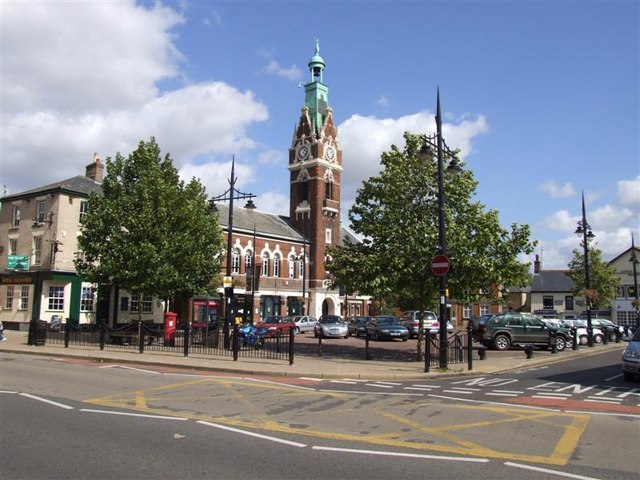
<point>303,152</point>
<point>331,153</point>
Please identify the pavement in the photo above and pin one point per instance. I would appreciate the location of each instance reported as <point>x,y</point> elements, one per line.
<point>305,365</point>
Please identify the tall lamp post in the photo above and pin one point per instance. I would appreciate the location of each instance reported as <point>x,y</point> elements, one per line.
<point>634,263</point>
<point>584,229</point>
<point>230,195</point>
<point>430,142</point>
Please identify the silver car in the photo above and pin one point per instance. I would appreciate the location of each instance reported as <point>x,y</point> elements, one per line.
<point>631,357</point>
<point>305,323</point>
<point>331,326</point>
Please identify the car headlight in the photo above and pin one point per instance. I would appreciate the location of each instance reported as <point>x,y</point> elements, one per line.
<point>630,353</point>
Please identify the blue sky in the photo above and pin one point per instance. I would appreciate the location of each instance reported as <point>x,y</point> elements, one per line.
<point>541,96</point>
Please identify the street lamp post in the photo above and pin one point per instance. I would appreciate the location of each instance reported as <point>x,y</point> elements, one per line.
<point>634,263</point>
<point>430,142</point>
<point>584,229</point>
<point>230,195</point>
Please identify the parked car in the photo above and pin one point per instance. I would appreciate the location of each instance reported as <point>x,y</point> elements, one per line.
<point>430,323</point>
<point>277,325</point>
<point>477,323</point>
<point>384,327</point>
<point>331,326</point>
<point>581,331</point>
<point>504,330</point>
<point>305,323</point>
<point>614,331</point>
<point>358,325</point>
<point>631,357</point>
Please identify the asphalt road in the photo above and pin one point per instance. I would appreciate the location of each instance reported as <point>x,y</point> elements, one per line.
<point>85,420</point>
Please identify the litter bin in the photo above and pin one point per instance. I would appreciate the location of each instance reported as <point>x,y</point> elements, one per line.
<point>170,329</point>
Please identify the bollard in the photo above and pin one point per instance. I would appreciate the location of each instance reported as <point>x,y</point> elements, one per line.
<point>482,353</point>
<point>528,350</point>
<point>574,335</point>
<point>319,345</point>
<point>605,335</point>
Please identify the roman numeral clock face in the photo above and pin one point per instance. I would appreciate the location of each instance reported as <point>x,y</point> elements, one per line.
<point>303,152</point>
<point>330,154</point>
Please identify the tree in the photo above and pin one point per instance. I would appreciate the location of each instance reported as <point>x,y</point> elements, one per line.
<point>603,281</point>
<point>396,215</point>
<point>148,232</point>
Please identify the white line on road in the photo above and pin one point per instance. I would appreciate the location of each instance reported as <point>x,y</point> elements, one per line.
<point>389,383</point>
<point>612,378</point>
<point>348,382</point>
<point>40,399</point>
<point>252,434</point>
<point>7,391</point>
<point>501,394</point>
<point>127,414</point>
<point>313,379</point>
<point>466,392</point>
<point>426,386</point>
<point>399,454</point>
<point>378,385</point>
<point>137,369</point>
<point>551,397</point>
<point>546,470</point>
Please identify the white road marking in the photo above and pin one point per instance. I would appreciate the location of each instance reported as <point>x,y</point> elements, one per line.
<point>252,434</point>
<point>502,394</point>
<point>313,379</point>
<point>348,382</point>
<point>40,399</point>
<point>128,414</point>
<point>426,386</point>
<point>136,369</point>
<point>7,391</point>
<point>399,454</point>
<point>546,470</point>
<point>378,385</point>
<point>458,391</point>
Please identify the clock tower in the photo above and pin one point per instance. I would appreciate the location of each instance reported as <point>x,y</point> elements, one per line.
<point>315,166</point>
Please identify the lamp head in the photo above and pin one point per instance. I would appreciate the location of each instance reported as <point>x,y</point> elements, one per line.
<point>250,205</point>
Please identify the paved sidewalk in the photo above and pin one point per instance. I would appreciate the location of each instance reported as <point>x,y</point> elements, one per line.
<point>304,366</point>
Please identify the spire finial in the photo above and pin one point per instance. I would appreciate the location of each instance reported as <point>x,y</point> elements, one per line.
<point>317,45</point>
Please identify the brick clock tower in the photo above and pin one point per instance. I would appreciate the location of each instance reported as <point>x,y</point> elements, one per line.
<point>315,166</point>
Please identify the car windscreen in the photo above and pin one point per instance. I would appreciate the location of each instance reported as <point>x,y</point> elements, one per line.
<point>331,319</point>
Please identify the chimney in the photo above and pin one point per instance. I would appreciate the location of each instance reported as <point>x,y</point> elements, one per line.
<point>537,265</point>
<point>95,169</point>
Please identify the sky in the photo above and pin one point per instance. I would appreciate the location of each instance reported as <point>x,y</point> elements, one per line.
<point>541,97</point>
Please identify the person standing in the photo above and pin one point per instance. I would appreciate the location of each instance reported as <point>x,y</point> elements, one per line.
<point>2,336</point>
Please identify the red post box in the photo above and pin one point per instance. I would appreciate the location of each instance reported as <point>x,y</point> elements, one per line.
<point>170,319</point>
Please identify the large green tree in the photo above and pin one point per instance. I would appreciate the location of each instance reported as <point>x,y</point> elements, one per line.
<point>603,281</point>
<point>149,232</point>
<point>396,215</point>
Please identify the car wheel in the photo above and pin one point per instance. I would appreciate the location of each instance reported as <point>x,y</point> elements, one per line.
<point>583,340</point>
<point>597,338</point>
<point>501,342</point>
<point>404,339</point>
<point>561,343</point>
<point>613,337</point>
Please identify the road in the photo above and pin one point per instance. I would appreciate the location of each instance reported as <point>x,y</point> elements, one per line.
<point>84,420</point>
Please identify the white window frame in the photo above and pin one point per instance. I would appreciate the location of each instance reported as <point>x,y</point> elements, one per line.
<point>84,205</point>
<point>40,205</point>
<point>37,250</point>
<point>328,235</point>
<point>276,264</point>
<point>55,299</point>
<point>467,311</point>
<point>292,265</point>
<point>15,216</point>
<point>235,260</point>
<point>8,300</point>
<point>24,297</point>
<point>87,299</point>
<point>13,246</point>
<point>265,264</point>
<point>147,304</point>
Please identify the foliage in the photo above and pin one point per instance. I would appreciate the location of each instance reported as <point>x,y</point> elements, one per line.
<point>603,281</point>
<point>396,214</point>
<point>149,232</point>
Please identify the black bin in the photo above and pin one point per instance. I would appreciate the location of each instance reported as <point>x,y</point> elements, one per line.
<point>40,334</point>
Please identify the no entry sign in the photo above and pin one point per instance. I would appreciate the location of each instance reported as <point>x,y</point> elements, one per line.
<point>440,265</point>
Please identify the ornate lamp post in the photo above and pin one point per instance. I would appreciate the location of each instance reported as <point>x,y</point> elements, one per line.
<point>429,143</point>
<point>584,229</point>
<point>230,195</point>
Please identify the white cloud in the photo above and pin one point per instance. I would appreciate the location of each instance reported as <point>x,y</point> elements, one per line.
<point>291,73</point>
<point>273,202</point>
<point>91,87</point>
<point>629,193</point>
<point>560,221</point>
<point>382,101</point>
<point>554,190</point>
<point>363,139</point>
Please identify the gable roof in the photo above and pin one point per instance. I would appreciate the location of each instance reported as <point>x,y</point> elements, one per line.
<point>78,185</point>
<point>552,281</point>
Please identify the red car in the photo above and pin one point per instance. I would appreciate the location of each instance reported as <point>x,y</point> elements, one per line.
<point>277,325</point>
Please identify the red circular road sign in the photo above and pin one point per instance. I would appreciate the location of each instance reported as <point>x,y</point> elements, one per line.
<point>440,265</point>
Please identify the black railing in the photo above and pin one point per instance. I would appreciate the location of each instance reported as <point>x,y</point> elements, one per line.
<point>147,336</point>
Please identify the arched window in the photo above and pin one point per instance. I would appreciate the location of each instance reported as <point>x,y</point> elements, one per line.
<point>265,264</point>
<point>292,265</point>
<point>235,260</point>
<point>248,260</point>
<point>276,265</point>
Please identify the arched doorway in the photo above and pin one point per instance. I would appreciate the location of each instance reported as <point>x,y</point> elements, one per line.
<point>329,307</point>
